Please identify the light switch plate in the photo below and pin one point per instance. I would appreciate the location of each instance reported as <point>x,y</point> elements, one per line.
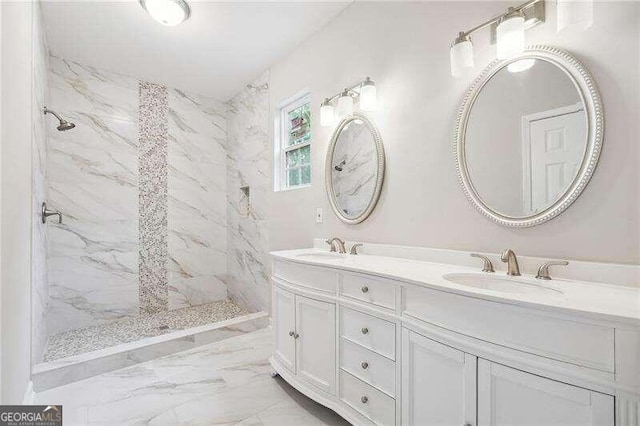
<point>319,215</point>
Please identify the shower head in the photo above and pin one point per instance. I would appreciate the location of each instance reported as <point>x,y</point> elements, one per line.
<point>64,124</point>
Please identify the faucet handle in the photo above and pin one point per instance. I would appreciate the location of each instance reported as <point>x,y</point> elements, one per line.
<point>543,271</point>
<point>354,248</point>
<point>488,266</point>
<point>331,247</point>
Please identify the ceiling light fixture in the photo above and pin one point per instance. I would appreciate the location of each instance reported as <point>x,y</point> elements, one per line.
<point>364,92</point>
<point>167,12</point>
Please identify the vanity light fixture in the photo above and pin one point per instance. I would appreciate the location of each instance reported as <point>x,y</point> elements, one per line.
<point>167,12</point>
<point>510,34</point>
<point>364,92</point>
<point>461,54</point>
<point>345,104</point>
<point>507,31</point>
<point>327,114</point>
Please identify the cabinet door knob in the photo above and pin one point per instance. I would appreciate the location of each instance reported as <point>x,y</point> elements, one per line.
<point>296,335</point>
<point>364,365</point>
<point>365,289</point>
<point>364,399</point>
<point>365,330</point>
<point>291,333</point>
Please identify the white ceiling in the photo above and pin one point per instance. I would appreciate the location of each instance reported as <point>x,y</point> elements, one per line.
<point>221,47</point>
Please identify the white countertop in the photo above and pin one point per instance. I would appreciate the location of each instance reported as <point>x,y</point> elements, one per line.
<point>594,300</point>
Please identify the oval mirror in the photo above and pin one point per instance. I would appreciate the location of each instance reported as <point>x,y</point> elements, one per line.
<point>354,168</point>
<point>528,137</point>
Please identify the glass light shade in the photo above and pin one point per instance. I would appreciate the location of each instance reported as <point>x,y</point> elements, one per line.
<point>574,14</point>
<point>510,37</point>
<point>521,65</point>
<point>461,56</point>
<point>167,12</point>
<point>345,105</point>
<point>368,96</point>
<point>327,115</point>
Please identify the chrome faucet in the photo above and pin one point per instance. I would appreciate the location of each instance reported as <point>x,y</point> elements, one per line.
<point>510,258</point>
<point>336,245</point>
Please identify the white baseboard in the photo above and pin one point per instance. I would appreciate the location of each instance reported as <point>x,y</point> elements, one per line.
<point>29,395</point>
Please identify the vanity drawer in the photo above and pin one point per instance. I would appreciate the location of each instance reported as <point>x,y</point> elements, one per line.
<point>367,400</point>
<point>371,332</point>
<point>368,366</point>
<point>377,291</point>
<point>318,278</point>
<point>551,336</point>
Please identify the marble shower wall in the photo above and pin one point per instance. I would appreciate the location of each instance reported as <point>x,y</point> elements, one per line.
<point>93,181</point>
<point>249,165</point>
<point>94,255</point>
<point>39,235</point>
<point>197,199</point>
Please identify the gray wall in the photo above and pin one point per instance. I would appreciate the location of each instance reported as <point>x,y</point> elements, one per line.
<point>404,47</point>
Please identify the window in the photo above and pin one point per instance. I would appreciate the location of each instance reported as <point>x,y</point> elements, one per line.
<point>294,169</point>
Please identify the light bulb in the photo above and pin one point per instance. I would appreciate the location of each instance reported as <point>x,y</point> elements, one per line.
<point>345,105</point>
<point>368,96</point>
<point>461,54</point>
<point>521,65</point>
<point>510,35</point>
<point>167,12</point>
<point>327,115</point>
<point>574,14</point>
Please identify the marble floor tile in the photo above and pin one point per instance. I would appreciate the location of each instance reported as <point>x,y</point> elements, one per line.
<point>226,382</point>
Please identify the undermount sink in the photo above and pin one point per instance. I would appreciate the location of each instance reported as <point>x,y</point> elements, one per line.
<point>503,284</point>
<point>323,256</point>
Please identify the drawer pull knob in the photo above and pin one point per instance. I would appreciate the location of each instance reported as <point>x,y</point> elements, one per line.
<point>364,399</point>
<point>291,333</point>
<point>364,365</point>
<point>365,330</point>
<point>365,289</point>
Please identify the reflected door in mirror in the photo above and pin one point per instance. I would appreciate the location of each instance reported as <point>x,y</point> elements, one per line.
<point>554,140</point>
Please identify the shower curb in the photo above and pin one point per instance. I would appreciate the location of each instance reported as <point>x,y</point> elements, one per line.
<point>78,367</point>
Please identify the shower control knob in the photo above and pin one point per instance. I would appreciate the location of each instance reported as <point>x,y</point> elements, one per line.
<point>364,365</point>
<point>365,330</point>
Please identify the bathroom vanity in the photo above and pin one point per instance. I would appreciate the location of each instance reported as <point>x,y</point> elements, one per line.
<point>384,340</point>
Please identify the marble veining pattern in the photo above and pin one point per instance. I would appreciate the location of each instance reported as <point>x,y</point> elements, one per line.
<point>226,382</point>
<point>74,342</point>
<point>197,216</point>
<point>249,164</point>
<point>153,131</point>
<point>92,257</point>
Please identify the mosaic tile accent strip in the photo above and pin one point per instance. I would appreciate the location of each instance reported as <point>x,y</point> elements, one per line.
<point>153,201</point>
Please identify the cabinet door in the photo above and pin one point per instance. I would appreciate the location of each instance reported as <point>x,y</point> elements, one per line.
<point>438,383</point>
<point>316,342</point>
<point>512,397</point>
<point>284,320</point>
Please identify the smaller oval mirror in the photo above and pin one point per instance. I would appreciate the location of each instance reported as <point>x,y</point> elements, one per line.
<point>354,169</point>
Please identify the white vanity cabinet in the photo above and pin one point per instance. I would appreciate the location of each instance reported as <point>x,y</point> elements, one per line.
<point>435,372</point>
<point>383,351</point>
<point>507,396</point>
<point>304,333</point>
